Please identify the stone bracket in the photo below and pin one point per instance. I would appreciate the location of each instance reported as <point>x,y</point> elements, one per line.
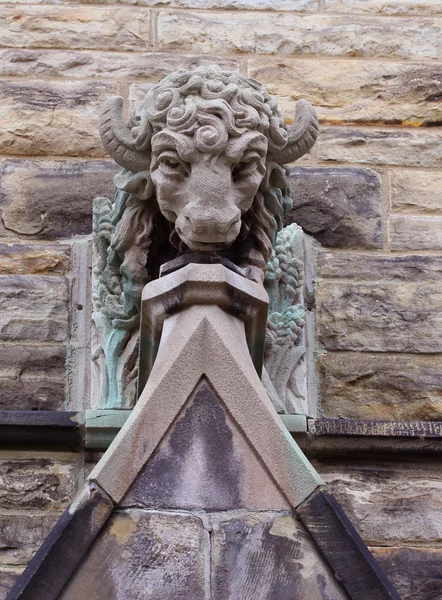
<point>197,285</point>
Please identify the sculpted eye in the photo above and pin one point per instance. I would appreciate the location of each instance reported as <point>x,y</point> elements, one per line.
<point>243,169</point>
<point>173,167</point>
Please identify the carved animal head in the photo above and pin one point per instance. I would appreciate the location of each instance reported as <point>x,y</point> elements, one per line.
<point>203,155</point>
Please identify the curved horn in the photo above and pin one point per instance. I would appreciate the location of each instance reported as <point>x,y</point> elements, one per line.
<point>117,138</point>
<point>301,136</point>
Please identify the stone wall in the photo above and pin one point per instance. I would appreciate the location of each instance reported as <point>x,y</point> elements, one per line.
<point>370,194</point>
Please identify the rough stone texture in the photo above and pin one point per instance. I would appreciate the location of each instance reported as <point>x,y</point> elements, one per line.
<point>22,534</point>
<point>81,64</point>
<point>417,192</point>
<point>36,483</point>
<point>374,267</point>
<point>386,7</point>
<point>379,386</point>
<point>144,555</point>
<point>263,556</point>
<point>8,576</point>
<point>56,118</point>
<point>33,259</point>
<point>294,5</point>
<point>415,233</point>
<point>32,377</point>
<point>355,91</point>
<point>298,35</point>
<point>70,27</point>
<point>381,147</point>
<point>51,199</point>
<point>388,502</point>
<point>415,572</point>
<point>33,308</point>
<point>205,463</point>
<point>339,207</point>
<point>383,317</point>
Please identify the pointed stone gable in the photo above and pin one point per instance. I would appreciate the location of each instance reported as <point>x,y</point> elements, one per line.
<point>205,462</point>
<point>203,494</point>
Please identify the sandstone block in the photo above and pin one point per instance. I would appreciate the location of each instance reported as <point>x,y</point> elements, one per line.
<point>416,191</point>
<point>381,147</point>
<point>388,503</point>
<point>406,232</point>
<point>49,199</point>
<point>34,259</point>
<point>354,91</point>
<point>380,317</point>
<point>81,64</point>
<point>378,386</point>
<point>57,118</point>
<point>32,377</point>
<point>33,308</point>
<point>308,35</point>
<point>419,8</point>
<point>373,267</point>
<point>415,572</point>
<point>86,27</point>
<point>268,555</point>
<point>152,556</point>
<point>36,483</point>
<point>292,5</point>
<point>8,576</point>
<point>21,535</point>
<point>339,207</point>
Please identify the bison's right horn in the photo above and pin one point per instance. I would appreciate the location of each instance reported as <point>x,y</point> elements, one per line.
<point>301,136</point>
<point>117,138</point>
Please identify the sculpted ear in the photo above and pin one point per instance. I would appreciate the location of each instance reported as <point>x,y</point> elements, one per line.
<point>117,137</point>
<point>139,184</point>
<point>301,136</point>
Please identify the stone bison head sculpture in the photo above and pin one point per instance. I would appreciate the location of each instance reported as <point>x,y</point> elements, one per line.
<point>202,169</point>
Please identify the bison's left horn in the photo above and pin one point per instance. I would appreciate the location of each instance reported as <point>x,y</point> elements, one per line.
<point>117,138</point>
<point>301,136</point>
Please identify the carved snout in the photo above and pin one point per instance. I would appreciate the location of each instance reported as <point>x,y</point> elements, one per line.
<point>199,225</point>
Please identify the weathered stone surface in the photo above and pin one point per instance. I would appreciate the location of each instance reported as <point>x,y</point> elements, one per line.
<point>34,259</point>
<point>22,534</point>
<point>379,386</point>
<point>49,199</point>
<point>293,5</point>
<point>416,191</point>
<point>383,317</point>
<point>263,556</point>
<point>32,377</point>
<point>206,463</point>
<point>339,207</point>
<point>406,232</point>
<point>381,147</point>
<point>141,555</point>
<point>388,503</point>
<point>8,576</point>
<point>56,118</point>
<point>419,8</point>
<point>81,64</point>
<point>415,572</point>
<point>33,308</point>
<point>36,483</point>
<point>212,32</point>
<point>373,267</point>
<point>103,28</point>
<point>354,91</point>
